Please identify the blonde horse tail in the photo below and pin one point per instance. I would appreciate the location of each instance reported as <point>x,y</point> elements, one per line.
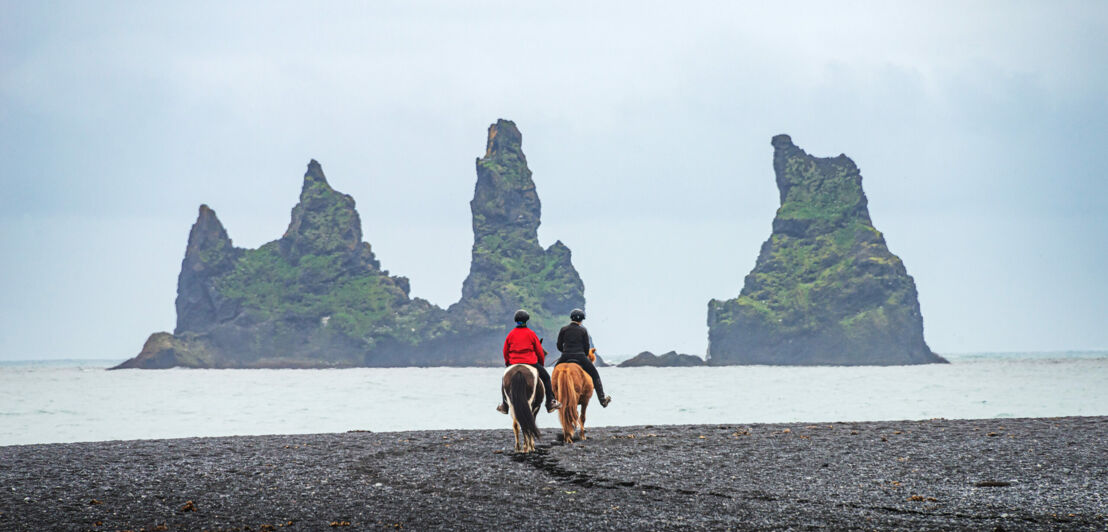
<point>567,395</point>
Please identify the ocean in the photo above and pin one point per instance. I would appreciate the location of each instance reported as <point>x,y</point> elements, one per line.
<point>77,400</point>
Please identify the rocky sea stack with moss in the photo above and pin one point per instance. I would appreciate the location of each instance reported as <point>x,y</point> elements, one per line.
<point>825,289</point>
<point>509,269</point>
<point>317,297</point>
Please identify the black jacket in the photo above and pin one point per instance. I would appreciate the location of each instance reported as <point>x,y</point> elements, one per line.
<point>573,339</point>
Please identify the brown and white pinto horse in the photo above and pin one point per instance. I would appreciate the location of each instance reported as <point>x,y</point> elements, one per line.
<point>523,391</point>
<point>572,387</point>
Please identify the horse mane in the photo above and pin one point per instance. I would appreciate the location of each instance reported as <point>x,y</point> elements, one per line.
<point>592,354</point>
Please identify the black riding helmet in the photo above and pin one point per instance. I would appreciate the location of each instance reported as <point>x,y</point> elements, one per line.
<point>522,316</point>
<point>577,315</point>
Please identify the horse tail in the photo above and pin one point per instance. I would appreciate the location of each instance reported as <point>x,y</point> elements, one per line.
<point>567,395</point>
<point>519,395</point>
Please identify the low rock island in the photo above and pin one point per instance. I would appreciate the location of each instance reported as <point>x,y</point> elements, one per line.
<point>666,360</point>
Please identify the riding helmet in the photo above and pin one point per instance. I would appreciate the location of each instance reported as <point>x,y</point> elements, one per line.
<point>522,316</point>
<point>577,315</point>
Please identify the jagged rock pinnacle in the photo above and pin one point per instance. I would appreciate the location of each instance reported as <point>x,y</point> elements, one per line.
<point>506,251</point>
<point>207,232</point>
<point>825,289</point>
<point>505,200</point>
<point>503,135</point>
<point>324,221</point>
<point>209,254</point>
<point>313,175</point>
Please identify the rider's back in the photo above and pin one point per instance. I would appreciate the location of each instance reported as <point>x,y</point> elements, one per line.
<point>522,347</point>
<point>573,339</point>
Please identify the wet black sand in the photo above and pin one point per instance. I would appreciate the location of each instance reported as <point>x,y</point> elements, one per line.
<point>1012,474</point>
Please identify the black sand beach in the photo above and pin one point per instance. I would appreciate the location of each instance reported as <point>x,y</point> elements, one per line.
<point>1011,474</point>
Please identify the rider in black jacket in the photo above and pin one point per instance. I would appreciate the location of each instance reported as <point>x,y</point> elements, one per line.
<point>573,342</point>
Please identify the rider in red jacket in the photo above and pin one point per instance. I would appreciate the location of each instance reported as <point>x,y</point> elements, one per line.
<point>522,346</point>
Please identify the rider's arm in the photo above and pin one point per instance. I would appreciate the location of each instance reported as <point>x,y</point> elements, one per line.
<point>561,345</point>
<point>540,353</point>
<point>506,350</point>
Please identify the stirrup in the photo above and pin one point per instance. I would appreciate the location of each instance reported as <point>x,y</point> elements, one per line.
<point>502,408</point>
<point>553,405</point>
<point>605,400</point>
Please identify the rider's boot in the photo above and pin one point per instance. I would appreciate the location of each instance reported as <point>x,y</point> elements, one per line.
<point>604,399</point>
<point>502,407</point>
<point>553,405</point>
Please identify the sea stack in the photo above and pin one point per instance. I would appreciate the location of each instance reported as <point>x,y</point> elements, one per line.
<point>509,269</point>
<point>825,290</point>
<point>318,297</point>
<point>209,254</point>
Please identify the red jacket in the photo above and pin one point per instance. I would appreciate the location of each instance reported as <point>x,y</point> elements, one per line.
<point>522,347</point>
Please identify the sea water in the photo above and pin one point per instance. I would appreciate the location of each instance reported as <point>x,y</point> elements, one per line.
<point>68,401</point>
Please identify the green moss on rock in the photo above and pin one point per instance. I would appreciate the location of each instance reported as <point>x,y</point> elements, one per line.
<point>825,288</point>
<point>317,296</point>
<point>509,269</point>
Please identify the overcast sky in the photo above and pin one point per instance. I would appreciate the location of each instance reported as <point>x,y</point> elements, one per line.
<point>980,129</point>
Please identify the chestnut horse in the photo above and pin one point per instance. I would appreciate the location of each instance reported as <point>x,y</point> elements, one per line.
<point>572,387</point>
<point>523,391</point>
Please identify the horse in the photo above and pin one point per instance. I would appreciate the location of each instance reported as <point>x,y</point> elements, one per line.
<point>523,391</point>
<point>572,387</point>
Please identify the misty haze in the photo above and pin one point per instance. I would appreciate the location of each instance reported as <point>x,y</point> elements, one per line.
<point>722,266</point>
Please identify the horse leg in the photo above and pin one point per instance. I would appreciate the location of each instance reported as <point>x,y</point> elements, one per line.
<point>528,442</point>
<point>515,429</point>
<point>567,424</point>
<point>562,390</point>
<point>581,421</point>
